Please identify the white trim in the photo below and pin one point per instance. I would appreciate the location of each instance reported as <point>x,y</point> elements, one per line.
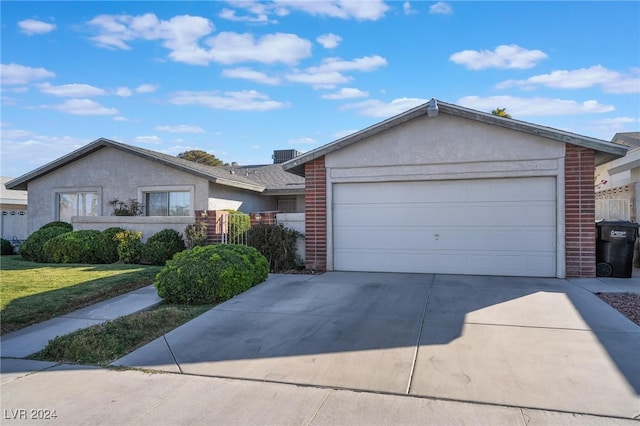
<point>329,218</point>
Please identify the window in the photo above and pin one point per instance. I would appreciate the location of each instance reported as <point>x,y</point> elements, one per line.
<point>168,203</point>
<point>77,204</point>
<point>287,205</point>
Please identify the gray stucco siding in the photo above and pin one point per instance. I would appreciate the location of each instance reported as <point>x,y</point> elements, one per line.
<point>113,174</point>
<point>223,198</point>
<point>445,147</point>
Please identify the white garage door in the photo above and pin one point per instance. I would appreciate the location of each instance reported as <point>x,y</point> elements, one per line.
<point>481,226</point>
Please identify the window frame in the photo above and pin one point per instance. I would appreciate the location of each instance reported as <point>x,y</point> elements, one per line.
<point>144,190</point>
<point>58,192</point>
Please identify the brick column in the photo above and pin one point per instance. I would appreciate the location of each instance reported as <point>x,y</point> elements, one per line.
<point>212,219</point>
<point>315,200</point>
<point>580,212</point>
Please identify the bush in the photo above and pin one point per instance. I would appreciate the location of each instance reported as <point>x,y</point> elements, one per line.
<point>72,247</point>
<point>32,248</point>
<point>129,246</point>
<point>106,247</point>
<point>211,274</point>
<point>6,248</point>
<point>161,246</point>
<point>58,224</point>
<point>132,207</point>
<point>238,224</point>
<point>196,235</point>
<point>278,245</point>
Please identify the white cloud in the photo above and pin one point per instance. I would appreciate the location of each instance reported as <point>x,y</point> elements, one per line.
<point>147,139</point>
<point>123,92</point>
<point>329,40</point>
<point>370,10</point>
<point>181,128</point>
<point>376,108</point>
<point>608,127</point>
<point>319,80</point>
<point>33,27</point>
<point>346,93</point>
<point>246,100</point>
<point>329,73</point>
<point>72,90</point>
<point>364,64</point>
<point>84,107</point>
<point>249,74</point>
<point>231,15</point>
<point>610,81</point>
<point>232,48</point>
<point>522,107</point>
<point>342,133</point>
<point>146,88</point>
<point>120,118</point>
<point>504,56</point>
<point>20,74</point>
<point>407,9</point>
<point>182,36</point>
<point>440,8</point>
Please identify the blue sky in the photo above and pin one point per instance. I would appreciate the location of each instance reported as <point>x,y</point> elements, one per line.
<point>239,79</point>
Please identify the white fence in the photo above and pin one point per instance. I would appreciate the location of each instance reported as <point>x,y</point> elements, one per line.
<point>294,221</point>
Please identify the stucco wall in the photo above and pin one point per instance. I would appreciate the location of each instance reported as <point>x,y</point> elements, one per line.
<point>224,198</point>
<point>114,174</point>
<point>445,147</point>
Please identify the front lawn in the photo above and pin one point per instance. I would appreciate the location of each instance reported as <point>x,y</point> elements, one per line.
<point>33,292</point>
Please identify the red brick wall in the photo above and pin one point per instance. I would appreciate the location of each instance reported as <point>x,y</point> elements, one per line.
<point>315,198</point>
<point>580,212</point>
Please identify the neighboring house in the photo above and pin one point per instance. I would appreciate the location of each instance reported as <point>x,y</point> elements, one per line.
<point>446,189</point>
<point>616,182</point>
<point>14,213</point>
<point>78,187</point>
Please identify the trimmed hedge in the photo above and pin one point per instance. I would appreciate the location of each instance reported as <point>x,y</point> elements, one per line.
<point>129,246</point>
<point>107,246</point>
<point>58,224</point>
<point>161,246</point>
<point>72,247</point>
<point>211,274</point>
<point>32,248</point>
<point>6,248</point>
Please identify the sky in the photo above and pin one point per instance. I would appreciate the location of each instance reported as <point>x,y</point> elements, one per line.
<point>242,78</point>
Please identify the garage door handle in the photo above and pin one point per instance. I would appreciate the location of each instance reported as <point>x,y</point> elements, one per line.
<point>437,236</point>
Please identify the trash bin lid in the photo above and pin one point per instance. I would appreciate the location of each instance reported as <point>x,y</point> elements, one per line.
<point>616,223</point>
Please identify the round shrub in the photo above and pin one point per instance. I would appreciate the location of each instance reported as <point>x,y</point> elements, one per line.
<point>211,274</point>
<point>6,248</point>
<point>161,246</point>
<point>72,247</point>
<point>129,246</point>
<point>106,247</point>
<point>58,224</point>
<point>32,250</point>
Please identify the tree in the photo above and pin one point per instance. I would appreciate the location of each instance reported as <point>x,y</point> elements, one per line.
<point>501,112</point>
<point>200,157</point>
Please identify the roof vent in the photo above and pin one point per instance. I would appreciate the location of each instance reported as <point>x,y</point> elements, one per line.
<point>281,155</point>
<point>432,108</point>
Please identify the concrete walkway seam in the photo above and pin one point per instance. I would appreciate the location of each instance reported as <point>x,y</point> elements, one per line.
<point>417,348</point>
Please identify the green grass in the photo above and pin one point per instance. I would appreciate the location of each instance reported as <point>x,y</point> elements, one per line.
<point>34,292</point>
<point>104,343</point>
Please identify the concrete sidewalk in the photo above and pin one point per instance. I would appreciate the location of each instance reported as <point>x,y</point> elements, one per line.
<point>78,395</point>
<point>26,341</point>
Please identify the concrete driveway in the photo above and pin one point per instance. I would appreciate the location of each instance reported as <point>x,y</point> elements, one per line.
<point>523,342</point>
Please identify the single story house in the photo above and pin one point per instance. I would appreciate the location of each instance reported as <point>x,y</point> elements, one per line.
<point>78,188</point>
<point>13,204</point>
<point>446,189</point>
<point>616,182</point>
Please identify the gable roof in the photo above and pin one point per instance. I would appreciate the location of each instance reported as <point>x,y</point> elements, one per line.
<point>605,151</point>
<point>272,176</point>
<point>214,174</point>
<point>630,139</point>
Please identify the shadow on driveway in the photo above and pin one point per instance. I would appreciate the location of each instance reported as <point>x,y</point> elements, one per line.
<point>542,343</point>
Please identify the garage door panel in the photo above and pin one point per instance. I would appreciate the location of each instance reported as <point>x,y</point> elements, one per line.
<point>484,226</point>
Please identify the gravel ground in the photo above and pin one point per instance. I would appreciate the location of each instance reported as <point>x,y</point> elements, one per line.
<point>628,304</point>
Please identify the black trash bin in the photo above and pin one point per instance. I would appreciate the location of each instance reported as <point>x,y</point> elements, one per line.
<point>614,248</point>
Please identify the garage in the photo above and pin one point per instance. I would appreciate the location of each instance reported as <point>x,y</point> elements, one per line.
<point>445,189</point>
<point>480,226</point>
